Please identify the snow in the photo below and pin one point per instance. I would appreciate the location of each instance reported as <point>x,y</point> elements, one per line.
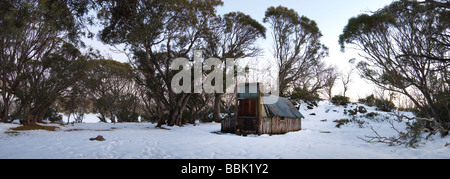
<point>318,139</point>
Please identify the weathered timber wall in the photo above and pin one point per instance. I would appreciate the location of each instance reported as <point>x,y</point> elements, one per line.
<point>228,125</point>
<point>267,126</point>
<point>276,126</point>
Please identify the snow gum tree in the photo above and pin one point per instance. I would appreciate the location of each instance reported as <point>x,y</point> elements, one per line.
<point>156,32</point>
<point>402,53</point>
<point>111,88</point>
<point>297,48</point>
<point>39,58</point>
<point>232,36</point>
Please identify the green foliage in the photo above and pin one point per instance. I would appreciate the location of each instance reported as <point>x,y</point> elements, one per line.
<point>362,24</point>
<point>126,108</point>
<point>146,21</point>
<point>297,48</point>
<point>233,36</point>
<point>340,100</point>
<point>381,104</point>
<point>280,12</point>
<point>242,20</point>
<point>304,95</point>
<point>405,48</point>
<point>372,115</point>
<point>370,100</point>
<point>384,105</point>
<point>352,112</point>
<point>341,122</point>
<point>157,32</point>
<point>414,134</point>
<point>292,18</point>
<point>39,43</point>
<point>442,104</point>
<point>112,89</point>
<point>53,116</point>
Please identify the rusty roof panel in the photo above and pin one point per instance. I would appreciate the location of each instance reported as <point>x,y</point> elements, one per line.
<point>284,108</point>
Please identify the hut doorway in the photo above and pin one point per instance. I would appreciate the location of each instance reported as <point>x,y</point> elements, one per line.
<point>248,115</point>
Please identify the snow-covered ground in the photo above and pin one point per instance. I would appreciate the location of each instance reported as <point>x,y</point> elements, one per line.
<point>319,139</point>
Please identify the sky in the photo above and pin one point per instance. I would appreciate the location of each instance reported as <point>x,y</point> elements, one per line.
<point>330,15</point>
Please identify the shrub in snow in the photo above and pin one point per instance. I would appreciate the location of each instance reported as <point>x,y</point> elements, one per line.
<point>352,112</point>
<point>384,105</point>
<point>413,133</point>
<point>370,100</point>
<point>341,122</point>
<point>53,116</point>
<point>346,121</point>
<point>340,100</point>
<point>362,109</point>
<point>371,115</point>
<point>303,94</point>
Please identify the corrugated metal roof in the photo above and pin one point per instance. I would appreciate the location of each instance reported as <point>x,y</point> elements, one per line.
<point>283,108</point>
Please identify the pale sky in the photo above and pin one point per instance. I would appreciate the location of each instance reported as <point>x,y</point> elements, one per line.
<point>330,15</point>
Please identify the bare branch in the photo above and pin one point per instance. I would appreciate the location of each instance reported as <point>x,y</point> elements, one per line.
<point>412,134</point>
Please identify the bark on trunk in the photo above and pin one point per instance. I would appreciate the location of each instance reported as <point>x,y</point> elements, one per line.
<point>5,111</point>
<point>159,113</point>
<point>176,112</point>
<point>434,112</point>
<point>216,114</point>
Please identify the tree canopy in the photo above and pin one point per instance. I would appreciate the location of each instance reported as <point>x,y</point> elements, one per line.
<point>403,54</point>
<point>39,54</point>
<point>297,49</point>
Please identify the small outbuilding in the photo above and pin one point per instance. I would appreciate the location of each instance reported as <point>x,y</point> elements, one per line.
<point>254,117</point>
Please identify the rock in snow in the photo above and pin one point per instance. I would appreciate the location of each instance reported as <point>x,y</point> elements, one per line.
<point>98,138</point>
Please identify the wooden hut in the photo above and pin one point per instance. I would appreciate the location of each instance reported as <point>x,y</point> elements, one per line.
<point>253,117</point>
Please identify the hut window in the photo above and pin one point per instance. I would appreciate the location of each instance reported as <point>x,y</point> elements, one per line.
<point>282,118</point>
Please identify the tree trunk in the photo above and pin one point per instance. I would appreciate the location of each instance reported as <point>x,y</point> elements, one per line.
<point>182,108</point>
<point>160,122</point>
<point>32,116</point>
<point>113,120</point>
<point>217,99</point>
<point>5,112</point>
<point>26,115</point>
<point>434,112</point>
<point>176,117</point>
<point>176,112</point>
<point>30,119</point>
<point>102,117</point>
<point>172,116</point>
<point>159,112</point>
<point>68,118</point>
